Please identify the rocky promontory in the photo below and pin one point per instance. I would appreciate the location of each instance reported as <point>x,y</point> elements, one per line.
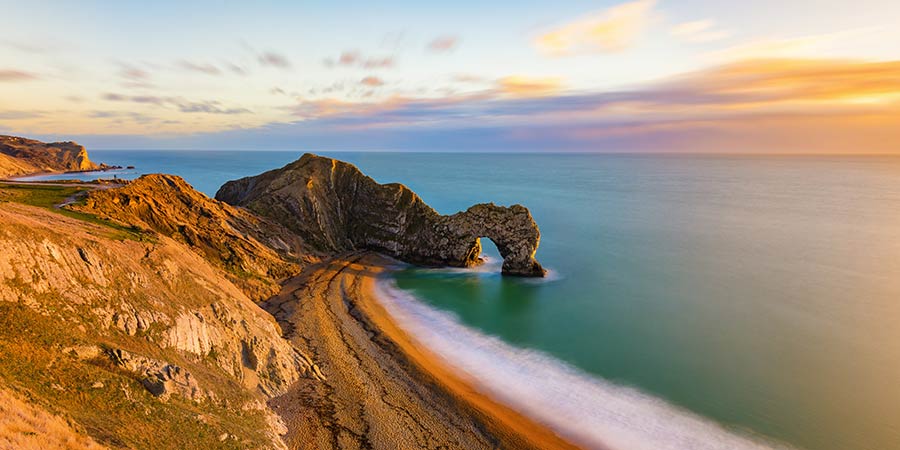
<point>337,208</point>
<point>24,156</point>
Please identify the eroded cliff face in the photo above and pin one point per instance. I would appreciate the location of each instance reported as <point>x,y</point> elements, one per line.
<point>255,253</point>
<point>335,207</point>
<point>137,337</point>
<point>28,155</point>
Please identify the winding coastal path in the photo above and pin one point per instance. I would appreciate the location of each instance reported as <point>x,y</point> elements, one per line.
<point>380,390</point>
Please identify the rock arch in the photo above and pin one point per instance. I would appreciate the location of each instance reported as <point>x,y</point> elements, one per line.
<point>511,229</point>
<point>334,207</point>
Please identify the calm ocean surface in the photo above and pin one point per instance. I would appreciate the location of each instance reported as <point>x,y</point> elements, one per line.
<point>759,293</point>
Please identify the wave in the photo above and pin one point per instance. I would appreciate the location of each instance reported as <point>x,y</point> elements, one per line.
<point>490,267</point>
<point>584,409</point>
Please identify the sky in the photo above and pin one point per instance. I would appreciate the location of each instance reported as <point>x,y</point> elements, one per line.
<point>768,76</point>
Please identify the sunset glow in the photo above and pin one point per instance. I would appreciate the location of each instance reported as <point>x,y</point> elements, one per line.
<point>591,76</point>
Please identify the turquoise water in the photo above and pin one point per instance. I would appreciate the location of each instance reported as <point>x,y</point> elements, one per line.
<point>762,293</point>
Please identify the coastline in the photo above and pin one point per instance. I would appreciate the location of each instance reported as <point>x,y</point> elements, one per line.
<point>379,388</point>
<point>63,172</point>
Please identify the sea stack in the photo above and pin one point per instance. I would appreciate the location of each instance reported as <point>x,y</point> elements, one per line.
<point>337,208</point>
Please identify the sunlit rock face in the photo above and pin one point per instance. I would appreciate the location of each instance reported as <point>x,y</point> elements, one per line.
<point>47,157</point>
<point>335,207</point>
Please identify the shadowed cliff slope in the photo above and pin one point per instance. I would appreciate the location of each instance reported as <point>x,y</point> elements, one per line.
<point>335,207</point>
<point>23,156</point>
<point>254,252</point>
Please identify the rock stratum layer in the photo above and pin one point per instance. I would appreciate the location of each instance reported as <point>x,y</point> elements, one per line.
<point>337,208</point>
<point>21,156</point>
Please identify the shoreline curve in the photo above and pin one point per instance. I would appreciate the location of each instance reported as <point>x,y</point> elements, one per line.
<point>378,387</point>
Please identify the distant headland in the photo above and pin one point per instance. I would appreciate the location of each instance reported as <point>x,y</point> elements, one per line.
<point>20,156</point>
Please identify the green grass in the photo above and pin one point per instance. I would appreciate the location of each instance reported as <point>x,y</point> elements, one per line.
<point>50,196</point>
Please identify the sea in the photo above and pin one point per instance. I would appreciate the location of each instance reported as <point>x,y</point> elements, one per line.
<point>692,301</point>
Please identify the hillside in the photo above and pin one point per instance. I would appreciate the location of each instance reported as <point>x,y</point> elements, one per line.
<point>21,156</point>
<point>133,335</point>
<point>253,252</point>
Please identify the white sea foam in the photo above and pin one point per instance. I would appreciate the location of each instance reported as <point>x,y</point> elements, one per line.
<point>582,408</point>
<point>491,266</point>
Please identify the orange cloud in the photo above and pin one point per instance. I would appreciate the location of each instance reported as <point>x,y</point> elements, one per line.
<point>802,80</point>
<point>522,86</point>
<point>372,81</point>
<point>16,75</point>
<point>610,30</point>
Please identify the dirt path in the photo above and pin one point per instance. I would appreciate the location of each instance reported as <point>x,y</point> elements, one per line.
<point>379,391</point>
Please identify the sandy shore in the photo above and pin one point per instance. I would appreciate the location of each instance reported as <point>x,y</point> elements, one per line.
<point>381,390</point>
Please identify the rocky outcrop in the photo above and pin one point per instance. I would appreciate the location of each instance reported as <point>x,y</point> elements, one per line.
<point>255,252</point>
<point>159,377</point>
<point>335,207</point>
<point>28,155</point>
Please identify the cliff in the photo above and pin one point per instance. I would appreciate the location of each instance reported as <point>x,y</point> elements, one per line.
<point>140,337</point>
<point>337,208</point>
<point>254,252</point>
<point>24,156</point>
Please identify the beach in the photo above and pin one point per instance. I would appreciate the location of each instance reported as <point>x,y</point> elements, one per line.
<point>380,389</point>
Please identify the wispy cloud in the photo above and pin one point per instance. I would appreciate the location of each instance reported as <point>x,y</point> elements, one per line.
<point>136,117</point>
<point>20,115</point>
<point>16,75</point>
<point>801,80</point>
<point>185,106</point>
<point>272,59</point>
<point>467,78</point>
<point>443,44</point>
<point>209,107</point>
<point>236,69</point>
<point>700,31</point>
<point>204,68</point>
<point>523,86</point>
<point>378,63</point>
<point>353,58</point>
<point>806,46</point>
<point>134,76</point>
<point>26,47</point>
<point>131,72</point>
<point>145,99</point>
<point>371,81</point>
<point>610,30</point>
<point>804,105</point>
